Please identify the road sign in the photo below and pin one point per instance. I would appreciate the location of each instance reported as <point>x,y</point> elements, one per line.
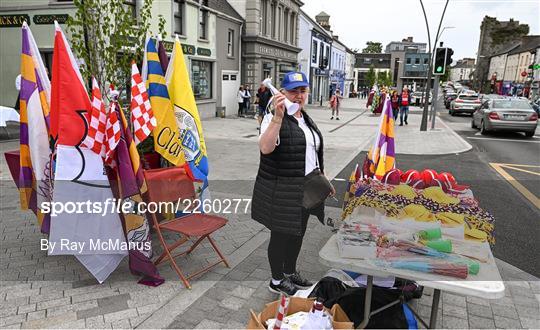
<point>524,74</point>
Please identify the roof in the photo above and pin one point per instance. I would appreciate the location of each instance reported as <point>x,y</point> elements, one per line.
<point>507,49</point>
<point>225,8</point>
<point>322,14</point>
<point>528,43</point>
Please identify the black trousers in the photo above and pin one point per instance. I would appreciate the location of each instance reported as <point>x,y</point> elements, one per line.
<point>283,250</point>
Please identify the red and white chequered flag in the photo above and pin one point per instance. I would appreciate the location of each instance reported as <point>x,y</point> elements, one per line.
<point>95,139</point>
<point>142,117</point>
<point>112,135</point>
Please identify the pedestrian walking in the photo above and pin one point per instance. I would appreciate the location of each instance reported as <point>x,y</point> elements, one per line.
<point>404,101</point>
<point>240,100</point>
<point>262,98</point>
<point>247,99</point>
<point>395,104</point>
<point>335,102</point>
<point>291,147</point>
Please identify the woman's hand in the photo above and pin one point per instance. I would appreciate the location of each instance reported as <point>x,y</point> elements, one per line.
<point>279,105</point>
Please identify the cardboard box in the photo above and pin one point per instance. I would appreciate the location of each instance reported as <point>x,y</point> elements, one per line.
<point>258,321</point>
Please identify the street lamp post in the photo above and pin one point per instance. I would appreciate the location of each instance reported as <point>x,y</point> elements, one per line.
<point>423,124</point>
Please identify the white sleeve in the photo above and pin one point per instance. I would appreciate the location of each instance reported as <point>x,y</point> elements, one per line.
<point>265,123</point>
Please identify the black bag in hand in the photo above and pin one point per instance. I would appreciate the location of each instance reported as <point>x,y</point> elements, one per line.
<point>316,187</point>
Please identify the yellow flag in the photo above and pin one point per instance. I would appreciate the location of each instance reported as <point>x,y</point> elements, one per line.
<point>187,115</point>
<point>167,139</point>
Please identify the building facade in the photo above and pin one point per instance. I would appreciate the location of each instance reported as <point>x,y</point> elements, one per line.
<point>462,70</point>
<point>349,73</point>
<point>364,61</point>
<point>404,73</point>
<point>415,70</point>
<point>495,36</point>
<point>404,45</point>
<point>314,58</point>
<point>337,66</point>
<point>228,33</point>
<point>195,23</point>
<point>270,39</point>
<point>40,16</point>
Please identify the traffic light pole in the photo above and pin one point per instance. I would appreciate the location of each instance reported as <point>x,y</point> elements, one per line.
<point>434,101</point>
<point>427,89</point>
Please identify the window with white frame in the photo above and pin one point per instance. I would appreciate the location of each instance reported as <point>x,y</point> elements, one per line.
<point>178,11</point>
<point>131,6</point>
<point>203,20</point>
<point>314,51</point>
<point>230,43</point>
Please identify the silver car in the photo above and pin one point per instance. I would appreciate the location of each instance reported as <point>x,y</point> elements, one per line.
<point>508,114</point>
<point>465,102</point>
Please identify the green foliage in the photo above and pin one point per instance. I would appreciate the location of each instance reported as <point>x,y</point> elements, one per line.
<point>502,34</point>
<point>106,36</point>
<point>446,75</point>
<point>371,77</point>
<point>372,47</point>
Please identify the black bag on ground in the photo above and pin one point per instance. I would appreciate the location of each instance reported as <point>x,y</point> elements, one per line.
<point>351,300</point>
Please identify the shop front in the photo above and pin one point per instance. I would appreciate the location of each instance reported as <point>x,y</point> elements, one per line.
<point>265,58</point>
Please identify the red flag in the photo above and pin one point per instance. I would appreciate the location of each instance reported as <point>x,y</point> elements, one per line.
<point>79,176</point>
<point>95,139</point>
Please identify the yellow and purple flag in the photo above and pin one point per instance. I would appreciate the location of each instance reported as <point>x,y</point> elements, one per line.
<point>35,175</point>
<point>382,154</point>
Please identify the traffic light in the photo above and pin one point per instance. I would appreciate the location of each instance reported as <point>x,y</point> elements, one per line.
<point>449,54</point>
<point>439,65</point>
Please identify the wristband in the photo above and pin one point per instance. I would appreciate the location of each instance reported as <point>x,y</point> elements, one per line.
<point>276,121</point>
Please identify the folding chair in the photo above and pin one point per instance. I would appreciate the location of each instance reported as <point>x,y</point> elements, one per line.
<point>170,185</point>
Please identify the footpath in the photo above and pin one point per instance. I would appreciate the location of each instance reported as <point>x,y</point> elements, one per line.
<point>40,291</point>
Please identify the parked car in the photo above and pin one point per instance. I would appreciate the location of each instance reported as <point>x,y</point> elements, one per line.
<point>536,105</point>
<point>508,114</point>
<point>416,98</point>
<point>448,98</point>
<point>465,102</point>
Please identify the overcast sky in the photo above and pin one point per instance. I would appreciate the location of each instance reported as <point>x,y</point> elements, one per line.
<point>356,22</point>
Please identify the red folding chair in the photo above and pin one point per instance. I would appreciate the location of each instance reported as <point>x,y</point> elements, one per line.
<point>170,185</point>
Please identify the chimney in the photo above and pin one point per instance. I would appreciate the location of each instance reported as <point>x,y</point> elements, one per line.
<point>336,37</point>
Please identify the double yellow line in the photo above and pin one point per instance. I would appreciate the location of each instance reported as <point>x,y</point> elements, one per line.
<point>500,168</point>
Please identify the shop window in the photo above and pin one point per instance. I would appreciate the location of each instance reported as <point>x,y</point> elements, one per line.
<point>417,61</point>
<point>273,22</point>
<point>426,60</point>
<point>179,6</point>
<point>201,79</point>
<point>264,18</point>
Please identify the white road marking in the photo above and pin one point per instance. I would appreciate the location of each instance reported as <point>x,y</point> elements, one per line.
<point>339,179</point>
<point>500,140</point>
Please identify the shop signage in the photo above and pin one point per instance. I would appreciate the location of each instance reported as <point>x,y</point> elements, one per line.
<point>187,49</point>
<point>14,20</point>
<point>276,52</point>
<point>524,74</point>
<point>49,19</point>
<point>204,51</point>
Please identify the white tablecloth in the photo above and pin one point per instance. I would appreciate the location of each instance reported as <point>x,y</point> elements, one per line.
<point>8,114</point>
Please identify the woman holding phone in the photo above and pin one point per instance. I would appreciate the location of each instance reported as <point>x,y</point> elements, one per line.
<point>291,146</point>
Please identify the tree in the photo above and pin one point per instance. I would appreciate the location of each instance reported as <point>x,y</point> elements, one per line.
<point>381,78</point>
<point>371,77</point>
<point>372,47</point>
<point>106,36</point>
